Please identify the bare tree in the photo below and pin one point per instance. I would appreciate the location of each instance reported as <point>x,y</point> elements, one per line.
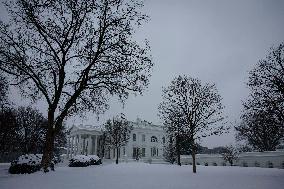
<point>74,54</point>
<point>193,109</point>
<point>117,132</point>
<point>231,154</point>
<point>262,120</point>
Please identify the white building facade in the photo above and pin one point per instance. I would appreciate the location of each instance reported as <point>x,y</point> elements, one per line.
<point>146,142</point>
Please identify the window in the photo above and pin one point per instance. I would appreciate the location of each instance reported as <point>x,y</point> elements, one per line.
<point>143,152</point>
<point>123,150</point>
<point>164,140</point>
<point>154,151</point>
<point>154,139</point>
<point>143,138</point>
<point>134,137</point>
<point>270,164</point>
<point>135,153</point>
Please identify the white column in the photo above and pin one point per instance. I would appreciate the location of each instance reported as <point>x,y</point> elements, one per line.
<point>79,144</point>
<point>95,149</point>
<point>76,144</point>
<point>90,145</point>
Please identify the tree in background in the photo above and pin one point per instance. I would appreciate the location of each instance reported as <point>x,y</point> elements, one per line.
<point>31,125</point>
<point>9,138</point>
<point>193,108</point>
<point>22,131</point>
<point>170,150</point>
<point>117,133</point>
<point>260,129</point>
<point>262,120</point>
<point>74,55</point>
<point>231,154</point>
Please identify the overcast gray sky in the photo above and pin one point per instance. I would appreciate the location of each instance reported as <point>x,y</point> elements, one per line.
<point>215,40</point>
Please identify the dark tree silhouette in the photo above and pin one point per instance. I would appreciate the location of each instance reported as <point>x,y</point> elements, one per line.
<point>117,133</point>
<point>31,130</point>
<point>262,119</point>
<point>22,131</point>
<point>74,54</point>
<point>9,138</point>
<point>260,129</point>
<point>192,109</point>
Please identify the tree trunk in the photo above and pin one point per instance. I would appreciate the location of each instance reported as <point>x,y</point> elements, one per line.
<point>116,161</point>
<point>193,162</point>
<point>178,150</point>
<point>193,158</point>
<point>49,144</point>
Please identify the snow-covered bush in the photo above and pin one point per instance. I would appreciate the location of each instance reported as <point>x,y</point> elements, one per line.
<point>28,163</point>
<point>83,161</point>
<point>79,161</point>
<point>95,160</point>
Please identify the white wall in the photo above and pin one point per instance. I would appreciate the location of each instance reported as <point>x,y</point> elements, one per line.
<point>249,159</point>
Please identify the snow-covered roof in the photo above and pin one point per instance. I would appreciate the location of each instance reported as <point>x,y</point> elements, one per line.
<point>138,124</point>
<point>143,124</point>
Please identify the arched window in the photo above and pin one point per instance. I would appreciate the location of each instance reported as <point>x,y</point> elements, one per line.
<point>154,139</point>
<point>134,137</point>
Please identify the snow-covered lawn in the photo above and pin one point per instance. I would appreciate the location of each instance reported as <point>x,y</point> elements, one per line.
<point>147,176</point>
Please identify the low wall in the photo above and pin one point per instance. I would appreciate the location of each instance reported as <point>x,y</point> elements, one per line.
<point>273,159</point>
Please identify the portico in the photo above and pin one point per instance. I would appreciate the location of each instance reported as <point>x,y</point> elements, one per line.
<point>83,141</point>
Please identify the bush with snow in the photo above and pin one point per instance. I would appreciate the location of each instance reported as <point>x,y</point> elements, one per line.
<point>84,161</point>
<point>28,163</point>
<point>95,160</point>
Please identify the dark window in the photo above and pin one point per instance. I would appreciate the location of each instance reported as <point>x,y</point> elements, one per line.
<point>270,164</point>
<point>164,140</point>
<point>154,139</point>
<point>134,137</point>
<point>143,152</point>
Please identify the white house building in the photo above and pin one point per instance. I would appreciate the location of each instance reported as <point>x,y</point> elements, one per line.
<point>146,142</point>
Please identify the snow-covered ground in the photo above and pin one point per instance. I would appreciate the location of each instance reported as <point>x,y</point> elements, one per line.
<point>146,176</point>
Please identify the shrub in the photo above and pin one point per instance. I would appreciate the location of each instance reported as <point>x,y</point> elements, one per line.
<point>95,160</point>
<point>206,164</point>
<point>84,161</point>
<point>214,164</point>
<point>28,163</point>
